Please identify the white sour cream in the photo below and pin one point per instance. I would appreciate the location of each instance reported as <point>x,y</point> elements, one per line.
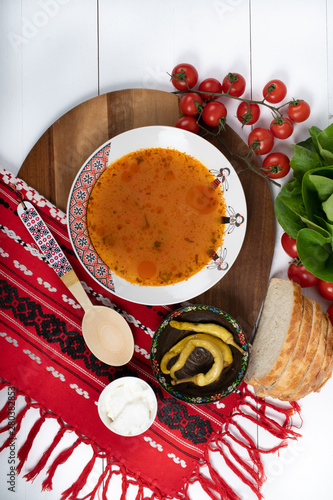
<point>129,406</point>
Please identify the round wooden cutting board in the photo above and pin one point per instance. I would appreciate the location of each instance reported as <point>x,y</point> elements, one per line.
<point>54,161</point>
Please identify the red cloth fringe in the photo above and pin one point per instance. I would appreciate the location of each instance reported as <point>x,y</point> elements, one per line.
<point>215,486</point>
<point>31,476</point>
<point>249,470</point>
<point>24,450</point>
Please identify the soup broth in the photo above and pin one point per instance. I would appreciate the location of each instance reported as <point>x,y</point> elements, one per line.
<point>154,216</point>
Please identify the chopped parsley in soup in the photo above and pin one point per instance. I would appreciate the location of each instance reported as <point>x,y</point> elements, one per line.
<point>154,216</point>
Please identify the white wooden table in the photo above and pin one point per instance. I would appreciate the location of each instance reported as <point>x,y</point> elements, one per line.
<point>55,54</point>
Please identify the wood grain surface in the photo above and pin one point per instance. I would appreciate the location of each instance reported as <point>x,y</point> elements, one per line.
<point>55,159</point>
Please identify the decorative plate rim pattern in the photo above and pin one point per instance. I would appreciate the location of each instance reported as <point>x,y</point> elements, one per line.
<point>147,137</point>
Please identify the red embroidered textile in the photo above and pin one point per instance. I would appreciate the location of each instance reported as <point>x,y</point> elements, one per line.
<point>43,354</point>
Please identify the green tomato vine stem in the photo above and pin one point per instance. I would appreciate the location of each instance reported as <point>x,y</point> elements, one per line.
<point>245,159</point>
<point>276,111</point>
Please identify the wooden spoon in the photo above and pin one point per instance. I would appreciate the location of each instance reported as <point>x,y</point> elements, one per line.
<point>106,333</point>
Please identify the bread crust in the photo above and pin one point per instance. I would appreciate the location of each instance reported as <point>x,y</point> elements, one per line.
<point>309,381</point>
<point>302,368</point>
<point>290,340</point>
<point>282,384</point>
<point>305,361</point>
<point>328,363</point>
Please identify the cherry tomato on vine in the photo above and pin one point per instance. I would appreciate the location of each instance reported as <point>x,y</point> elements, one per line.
<point>213,112</point>
<point>289,245</point>
<point>188,123</point>
<point>325,288</point>
<point>261,140</point>
<point>274,91</point>
<point>189,103</point>
<point>330,313</point>
<point>184,76</point>
<point>276,166</point>
<point>210,85</point>
<point>298,273</point>
<point>282,128</point>
<point>234,84</point>
<point>248,113</point>
<point>298,111</point>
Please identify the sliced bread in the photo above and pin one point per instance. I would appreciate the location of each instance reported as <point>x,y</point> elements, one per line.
<point>328,362</point>
<point>277,332</point>
<point>281,386</point>
<point>307,384</point>
<point>300,370</point>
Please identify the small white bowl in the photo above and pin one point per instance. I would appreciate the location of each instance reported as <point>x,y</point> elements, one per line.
<point>127,406</point>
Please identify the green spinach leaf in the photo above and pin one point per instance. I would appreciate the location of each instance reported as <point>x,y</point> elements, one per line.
<point>315,252</point>
<point>304,206</point>
<point>325,144</point>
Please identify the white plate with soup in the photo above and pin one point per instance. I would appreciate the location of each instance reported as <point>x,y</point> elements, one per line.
<point>157,215</point>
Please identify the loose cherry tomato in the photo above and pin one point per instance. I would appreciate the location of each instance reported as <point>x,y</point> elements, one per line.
<point>213,113</point>
<point>190,103</point>
<point>282,128</point>
<point>298,273</point>
<point>248,113</point>
<point>184,76</point>
<point>276,166</point>
<point>325,288</point>
<point>212,86</point>
<point>330,313</point>
<point>298,111</point>
<point>234,84</point>
<point>188,123</point>
<point>261,140</point>
<point>274,91</point>
<point>289,245</point>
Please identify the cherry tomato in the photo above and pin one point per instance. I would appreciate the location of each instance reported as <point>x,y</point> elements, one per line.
<point>188,123</point>
<point>289,245</point>
<point>261,140</point>
<point>184,76</point>
<point>330,313</point>
<point>274,91</point>
<point>190,102</point>
<point>234,84</point>
<point>248,113</point>
<point>298,273</point>
<point>325,288</point>
<point>210,85</point>
<point>276,166</point>
<point>282,128</point>
<point>298,111</point>
<point>213,112</point>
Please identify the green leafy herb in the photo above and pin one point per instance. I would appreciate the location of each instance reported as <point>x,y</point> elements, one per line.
<point>304,206</point>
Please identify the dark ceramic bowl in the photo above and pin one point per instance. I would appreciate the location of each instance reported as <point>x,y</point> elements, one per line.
<point>200,360</point>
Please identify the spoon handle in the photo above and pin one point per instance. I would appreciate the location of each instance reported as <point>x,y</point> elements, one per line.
<point>49,247</point>
<point>73,284</point>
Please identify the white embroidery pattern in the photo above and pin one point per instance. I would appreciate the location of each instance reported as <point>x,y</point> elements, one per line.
<point>80,391</point>
<point>70,301</point>
<point>3,253</point>
<point>9,339</point>
<point>11,234</point>
<point>177,460</point>
<point>32,195</point>
<point>55,373</point>
<point>46,285</point>
<point>22,268</point>
<point>219,404</point>
<point>153,443</point>
<point>142,351</point>
<point>32,356</point>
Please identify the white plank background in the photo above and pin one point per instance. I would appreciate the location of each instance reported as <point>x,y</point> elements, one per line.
<point>55,54</point>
